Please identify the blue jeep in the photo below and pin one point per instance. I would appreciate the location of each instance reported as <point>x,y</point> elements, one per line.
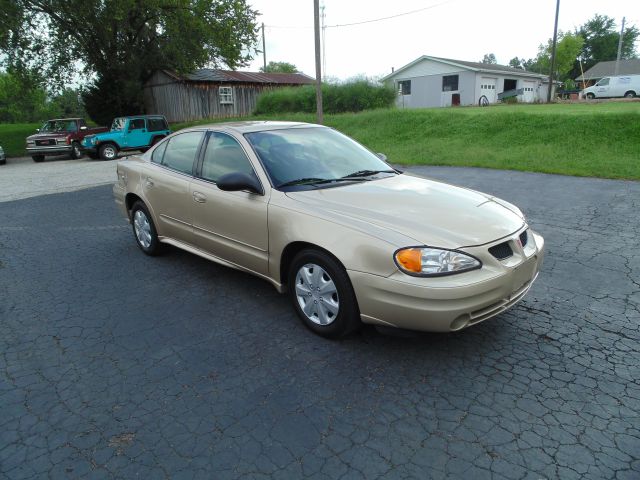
<point>127,133</point>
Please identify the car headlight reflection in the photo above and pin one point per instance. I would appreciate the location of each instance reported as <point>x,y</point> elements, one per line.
<point>433,262</point>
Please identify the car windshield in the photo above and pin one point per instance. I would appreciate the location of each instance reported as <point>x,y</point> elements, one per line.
<point>58,126</point>
<point>314,156</point>
<point>118,124</point>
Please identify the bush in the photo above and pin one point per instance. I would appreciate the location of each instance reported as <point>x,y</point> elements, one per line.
<point>336,98</point>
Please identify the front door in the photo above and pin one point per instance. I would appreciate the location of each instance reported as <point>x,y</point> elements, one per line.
<point>229,225</point>
<point>166,184</point>
<point>602,87</point>
<point>137,133</point>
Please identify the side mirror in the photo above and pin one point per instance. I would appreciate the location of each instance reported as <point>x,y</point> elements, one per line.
<point>83,127</point>
<point>236,181</point>
<point>381,156</point>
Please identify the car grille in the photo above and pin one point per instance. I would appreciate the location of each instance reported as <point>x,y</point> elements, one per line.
<point>42,143</point>
<point>524,238</point>
<point>501,251</point>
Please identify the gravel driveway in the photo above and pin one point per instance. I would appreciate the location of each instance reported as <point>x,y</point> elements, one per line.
<point>117,365</point>
<point>23,178</point>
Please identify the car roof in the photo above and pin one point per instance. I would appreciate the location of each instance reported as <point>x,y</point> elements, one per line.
<point>252,126</point>
<point>63,119</point>
<point>141,116</point>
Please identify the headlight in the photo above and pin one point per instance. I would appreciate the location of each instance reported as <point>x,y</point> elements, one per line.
<point>434,262</point>
<point>31,142</point>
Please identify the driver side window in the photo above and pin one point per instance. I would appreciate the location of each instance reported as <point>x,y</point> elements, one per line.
<point>224,155</point>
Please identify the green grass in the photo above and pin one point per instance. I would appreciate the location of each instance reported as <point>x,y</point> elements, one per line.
<point>594,140</point>
<point>13,135</point>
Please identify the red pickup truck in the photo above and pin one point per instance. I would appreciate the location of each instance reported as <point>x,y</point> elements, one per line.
<point>59,136</point>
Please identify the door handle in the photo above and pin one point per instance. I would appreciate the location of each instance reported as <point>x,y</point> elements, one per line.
<point>148,182</point>
<point>199,197</point>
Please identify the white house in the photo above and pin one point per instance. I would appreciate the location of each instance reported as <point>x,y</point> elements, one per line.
<point>442,82</point>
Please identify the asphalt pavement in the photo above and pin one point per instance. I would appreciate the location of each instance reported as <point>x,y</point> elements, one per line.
<point>118,365</point>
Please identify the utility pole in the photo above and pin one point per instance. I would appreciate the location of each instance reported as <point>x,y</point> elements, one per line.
<point>619,47</point>
<point>316,28</point>
<point>553,52</point>
<point>264,50</point>
<point>324,32</point>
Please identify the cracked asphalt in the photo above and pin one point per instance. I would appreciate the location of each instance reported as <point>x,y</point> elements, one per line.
<point>117,365</point>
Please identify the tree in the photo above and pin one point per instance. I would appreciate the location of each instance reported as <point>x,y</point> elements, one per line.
<point>567,50</point>
<point>601,36</point>
<point>280,67</point>
<point>489,58</point>
<point>120,43</point>
<point>516,62</point>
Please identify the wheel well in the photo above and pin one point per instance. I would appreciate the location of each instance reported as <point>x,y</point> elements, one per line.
<point>630,92</point>
<point>130,199</point>
<point>291,250</point>
<point>108,142</point>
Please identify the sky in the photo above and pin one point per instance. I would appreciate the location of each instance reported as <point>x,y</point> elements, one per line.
<point>459,29</point>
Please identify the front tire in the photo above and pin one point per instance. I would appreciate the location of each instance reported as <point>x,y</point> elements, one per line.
<point>76,152</point>
<point>630,94</point>
<point>38,158</point>
<point>322,295</point>
<point>590,96</point>
<point>144,230</point>
<point>108,151</point>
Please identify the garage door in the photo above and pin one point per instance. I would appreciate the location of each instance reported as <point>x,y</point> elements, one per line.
<point>528,95</point>
<point>488,88</point>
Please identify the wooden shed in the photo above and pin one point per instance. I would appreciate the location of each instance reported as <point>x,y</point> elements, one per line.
<point>210,93</point>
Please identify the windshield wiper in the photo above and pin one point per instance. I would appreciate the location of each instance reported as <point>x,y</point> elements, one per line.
<point>366,173</point>
<point>316,181</point>
<point>305,181</point>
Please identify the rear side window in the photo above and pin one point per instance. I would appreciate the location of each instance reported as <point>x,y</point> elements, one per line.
<point>181,150</point>
<point>136,124</point>
<point>158,153</point>
<point>157,124</point>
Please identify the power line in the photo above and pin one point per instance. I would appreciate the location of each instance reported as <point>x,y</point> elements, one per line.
<point>389,17</point>
<point>364,21</point>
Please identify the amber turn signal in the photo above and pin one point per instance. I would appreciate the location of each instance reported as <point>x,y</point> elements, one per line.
<point>410,259</point>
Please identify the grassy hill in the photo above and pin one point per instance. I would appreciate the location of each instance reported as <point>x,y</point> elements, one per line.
<point>595,139</point>
<point>591,139</point>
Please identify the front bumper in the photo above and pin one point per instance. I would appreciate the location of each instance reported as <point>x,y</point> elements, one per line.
<point>48,149</point>
<point>450,303</point>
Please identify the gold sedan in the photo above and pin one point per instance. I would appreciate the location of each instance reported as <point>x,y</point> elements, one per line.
<point>350,238</point>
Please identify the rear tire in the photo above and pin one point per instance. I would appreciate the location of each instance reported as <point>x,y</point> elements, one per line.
<point>322,295</point>
<point>108,151</point>
<point>144,230</point>
<point>630,94</point>
<point>38,158</point>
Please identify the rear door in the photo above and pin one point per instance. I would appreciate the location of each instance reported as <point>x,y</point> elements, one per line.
<point>166,185</point>
<point>229,225</point>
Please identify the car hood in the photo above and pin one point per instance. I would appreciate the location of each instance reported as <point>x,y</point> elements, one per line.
<point>432,213</point>
<point>47,135</point>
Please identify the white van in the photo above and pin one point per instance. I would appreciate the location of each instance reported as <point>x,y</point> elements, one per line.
<point>609,87</point>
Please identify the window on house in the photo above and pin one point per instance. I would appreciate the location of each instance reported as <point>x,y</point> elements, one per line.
<point>226,95</point>
<point>449,83</point>
<point>404,86</point>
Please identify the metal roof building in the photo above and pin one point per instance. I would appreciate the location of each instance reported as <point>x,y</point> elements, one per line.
<point>212,93</point>
<point>441,82</point>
